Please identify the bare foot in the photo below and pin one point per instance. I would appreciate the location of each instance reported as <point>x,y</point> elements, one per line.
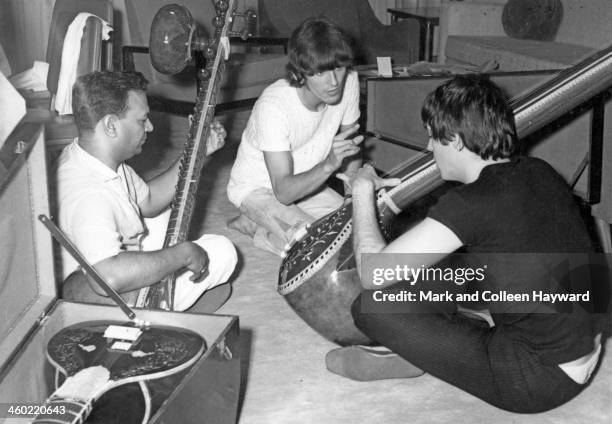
<point>242,224</point>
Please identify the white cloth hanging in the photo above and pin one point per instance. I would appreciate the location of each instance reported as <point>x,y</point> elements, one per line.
<point>70,59</point>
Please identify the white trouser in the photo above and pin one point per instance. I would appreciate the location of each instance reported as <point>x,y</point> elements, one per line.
<point>221,255</point>
<point>277,222</point>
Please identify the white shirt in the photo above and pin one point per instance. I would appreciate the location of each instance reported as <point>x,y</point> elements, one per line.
<point>280,122</point>
<point>98,207</point>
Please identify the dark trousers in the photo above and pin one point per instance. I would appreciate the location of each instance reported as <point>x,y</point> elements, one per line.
<point>466,353</point>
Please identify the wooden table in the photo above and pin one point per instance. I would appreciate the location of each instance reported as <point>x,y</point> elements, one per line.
<point>428,18</point>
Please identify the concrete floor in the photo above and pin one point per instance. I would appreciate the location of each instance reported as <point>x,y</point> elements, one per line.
<point>284,375</point>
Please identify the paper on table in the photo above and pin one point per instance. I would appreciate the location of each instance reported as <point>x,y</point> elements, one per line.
<point>384,66</point>
<point>12,108</point>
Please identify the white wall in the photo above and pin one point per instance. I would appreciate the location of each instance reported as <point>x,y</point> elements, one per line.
<point>24,30</point>
<point>380,9</point>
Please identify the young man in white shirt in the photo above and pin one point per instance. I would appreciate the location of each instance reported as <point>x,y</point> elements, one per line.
<point>300,132</point>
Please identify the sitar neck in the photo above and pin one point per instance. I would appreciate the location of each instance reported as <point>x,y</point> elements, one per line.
<point>570,88</point>
<point>419,176</point>
<point>191,166</point>
<point>161,295</point>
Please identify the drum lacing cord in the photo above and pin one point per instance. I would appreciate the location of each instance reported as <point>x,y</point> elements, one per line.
<point>383,196</point>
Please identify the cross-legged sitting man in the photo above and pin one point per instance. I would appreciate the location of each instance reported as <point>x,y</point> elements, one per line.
<point>513,209</point>
<point>102,202</point>
<point>298,135</point>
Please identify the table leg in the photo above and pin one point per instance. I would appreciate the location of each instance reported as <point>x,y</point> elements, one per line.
<point>423,39</point>
<point>428,41</point>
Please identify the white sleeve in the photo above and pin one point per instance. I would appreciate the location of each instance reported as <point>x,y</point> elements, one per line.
<point>351,93</point>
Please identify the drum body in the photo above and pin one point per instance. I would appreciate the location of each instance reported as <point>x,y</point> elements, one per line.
<point>327,283</point>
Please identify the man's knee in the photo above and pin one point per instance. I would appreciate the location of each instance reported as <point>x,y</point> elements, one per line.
<point>227,252</point>
<point>222,255</point>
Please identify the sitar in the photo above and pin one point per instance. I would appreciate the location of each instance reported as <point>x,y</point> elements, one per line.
<point>172,41</point>
<point>317,276</point>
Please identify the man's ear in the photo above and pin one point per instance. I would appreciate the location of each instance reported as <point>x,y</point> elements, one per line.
<point>296,78</point>
<point>457,142</point>
<point>109,125</point>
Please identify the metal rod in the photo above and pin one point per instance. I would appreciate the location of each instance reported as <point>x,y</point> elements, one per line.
<point>90,270</point>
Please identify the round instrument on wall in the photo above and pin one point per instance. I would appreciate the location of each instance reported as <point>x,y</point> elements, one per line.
<point>532,19</point>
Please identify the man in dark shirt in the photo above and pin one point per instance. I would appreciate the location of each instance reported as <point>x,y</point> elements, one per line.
<point>527,359</point>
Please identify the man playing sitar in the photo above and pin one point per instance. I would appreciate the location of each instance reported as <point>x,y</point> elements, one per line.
<point>102,201</point>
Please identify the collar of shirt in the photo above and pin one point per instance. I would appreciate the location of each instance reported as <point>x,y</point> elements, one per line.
<point>94,164</point>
